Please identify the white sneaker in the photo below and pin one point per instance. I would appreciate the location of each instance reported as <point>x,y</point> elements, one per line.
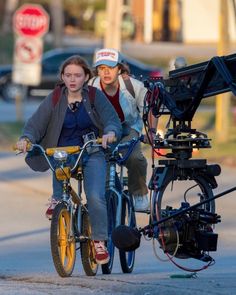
<point>141,203</point>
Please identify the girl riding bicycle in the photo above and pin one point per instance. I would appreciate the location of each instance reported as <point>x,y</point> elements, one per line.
<point>66,120</point>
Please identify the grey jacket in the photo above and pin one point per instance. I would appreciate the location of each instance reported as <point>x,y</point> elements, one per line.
<point>45,125</point>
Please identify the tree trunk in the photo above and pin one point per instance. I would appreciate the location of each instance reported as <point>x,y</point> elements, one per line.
<point>10,8</point>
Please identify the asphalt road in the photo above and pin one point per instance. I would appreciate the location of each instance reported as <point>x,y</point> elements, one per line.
<point>26,266</point>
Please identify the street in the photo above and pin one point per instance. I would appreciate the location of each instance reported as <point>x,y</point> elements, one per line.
<point>11,112</point>
<point>26,265</point>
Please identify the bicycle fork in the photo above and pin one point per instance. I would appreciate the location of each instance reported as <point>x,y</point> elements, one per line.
<point>67,190</point>
<point>113,187</point>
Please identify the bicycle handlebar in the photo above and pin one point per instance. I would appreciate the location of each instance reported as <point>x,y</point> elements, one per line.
<point>124,145</point>
<point>68,149</point>
<point>77,149</point>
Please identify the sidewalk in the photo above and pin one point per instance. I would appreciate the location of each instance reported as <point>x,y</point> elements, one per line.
<point>25,239</point>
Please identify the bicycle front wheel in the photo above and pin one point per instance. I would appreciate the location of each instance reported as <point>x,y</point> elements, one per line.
<point>63,247</point>
<point>87,247</point>
<point>111,198</point>
<point>127,218</point>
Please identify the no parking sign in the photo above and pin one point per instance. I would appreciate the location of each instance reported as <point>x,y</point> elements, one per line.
<point>28,50</point>
<point>27,61</point>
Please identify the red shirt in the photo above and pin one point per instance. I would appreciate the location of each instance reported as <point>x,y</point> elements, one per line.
<point>114,100</point>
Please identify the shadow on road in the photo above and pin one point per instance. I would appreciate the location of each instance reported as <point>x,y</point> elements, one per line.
<point>24,234</point>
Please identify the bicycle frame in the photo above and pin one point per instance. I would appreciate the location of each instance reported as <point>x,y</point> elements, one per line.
<point>67,189</point>
<point>112,186</point>
<point>114,161</point>
<point>120,204</point>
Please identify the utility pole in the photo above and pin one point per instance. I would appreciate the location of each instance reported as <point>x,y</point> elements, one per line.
<point>138,12</point>
<point>148,22</point>
<point>112,38</point>
<point>223,100</point>
<point>58,22</point>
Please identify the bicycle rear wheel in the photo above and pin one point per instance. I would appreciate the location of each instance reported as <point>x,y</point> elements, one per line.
<point>127,218</point>
<point>111,198</point>
<point>63,247</point>
<point>87,247</point>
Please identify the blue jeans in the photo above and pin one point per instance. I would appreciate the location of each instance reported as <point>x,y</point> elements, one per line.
<point>94,172</point>
<point>137,167</point>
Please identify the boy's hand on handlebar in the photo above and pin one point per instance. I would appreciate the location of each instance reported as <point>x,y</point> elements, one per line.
<point>148,138</point>
<point>110,137</point>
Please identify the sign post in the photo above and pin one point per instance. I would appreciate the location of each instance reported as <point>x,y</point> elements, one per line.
<point>30,24</point>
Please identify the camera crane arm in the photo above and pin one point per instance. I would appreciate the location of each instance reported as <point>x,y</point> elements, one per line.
<point>183,91</point>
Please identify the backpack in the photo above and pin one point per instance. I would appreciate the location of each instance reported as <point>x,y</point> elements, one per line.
<point>129,86</point>
<point>57,93</point>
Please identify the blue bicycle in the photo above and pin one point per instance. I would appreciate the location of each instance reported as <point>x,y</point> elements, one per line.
<point>120,204</point>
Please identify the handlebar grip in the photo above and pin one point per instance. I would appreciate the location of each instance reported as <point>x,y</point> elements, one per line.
<point>15,148</point>
<point>68,149</point>
<point>99,140</point>
<point>28,147</point>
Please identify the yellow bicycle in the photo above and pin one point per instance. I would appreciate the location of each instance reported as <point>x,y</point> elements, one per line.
<point>70,226</point>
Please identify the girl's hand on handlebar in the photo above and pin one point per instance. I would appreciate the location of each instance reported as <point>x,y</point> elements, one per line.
<point>22,145</point>
<point>110,137</point>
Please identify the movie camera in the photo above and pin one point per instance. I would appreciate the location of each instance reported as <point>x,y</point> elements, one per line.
<point>187,231</point>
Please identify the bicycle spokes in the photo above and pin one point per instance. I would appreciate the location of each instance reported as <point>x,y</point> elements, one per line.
<point>62,241</point>
<point>66,242</point>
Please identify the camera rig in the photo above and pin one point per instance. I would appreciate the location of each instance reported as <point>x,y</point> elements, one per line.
<point>180,95</point>
<point>186,232</point>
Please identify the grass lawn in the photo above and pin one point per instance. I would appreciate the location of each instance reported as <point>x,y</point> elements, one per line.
<point>219,152</point>
<point>203,121</point>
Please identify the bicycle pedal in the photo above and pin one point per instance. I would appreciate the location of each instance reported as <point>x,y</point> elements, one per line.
<point>82,238</point>
<point>143,211</point>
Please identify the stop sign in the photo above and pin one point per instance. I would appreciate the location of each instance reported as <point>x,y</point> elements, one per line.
<point>31,20</point>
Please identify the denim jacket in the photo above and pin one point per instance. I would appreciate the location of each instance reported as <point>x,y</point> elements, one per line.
<point>132,107</point>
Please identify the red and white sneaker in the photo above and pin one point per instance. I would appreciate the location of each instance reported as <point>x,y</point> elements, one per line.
<point>101,253</point>
<point>52,204</point>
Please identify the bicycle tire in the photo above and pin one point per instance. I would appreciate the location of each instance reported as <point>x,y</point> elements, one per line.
<point>87,250</point>
<point>111,198</point>
<point>200,192</point>
<point>63,247</point>
<point>127,258</point>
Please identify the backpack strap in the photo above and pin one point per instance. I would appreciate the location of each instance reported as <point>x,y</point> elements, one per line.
<point>56,95</point>
<point>92,80</point>
<point>91,94</point>
<point>129,86</point>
